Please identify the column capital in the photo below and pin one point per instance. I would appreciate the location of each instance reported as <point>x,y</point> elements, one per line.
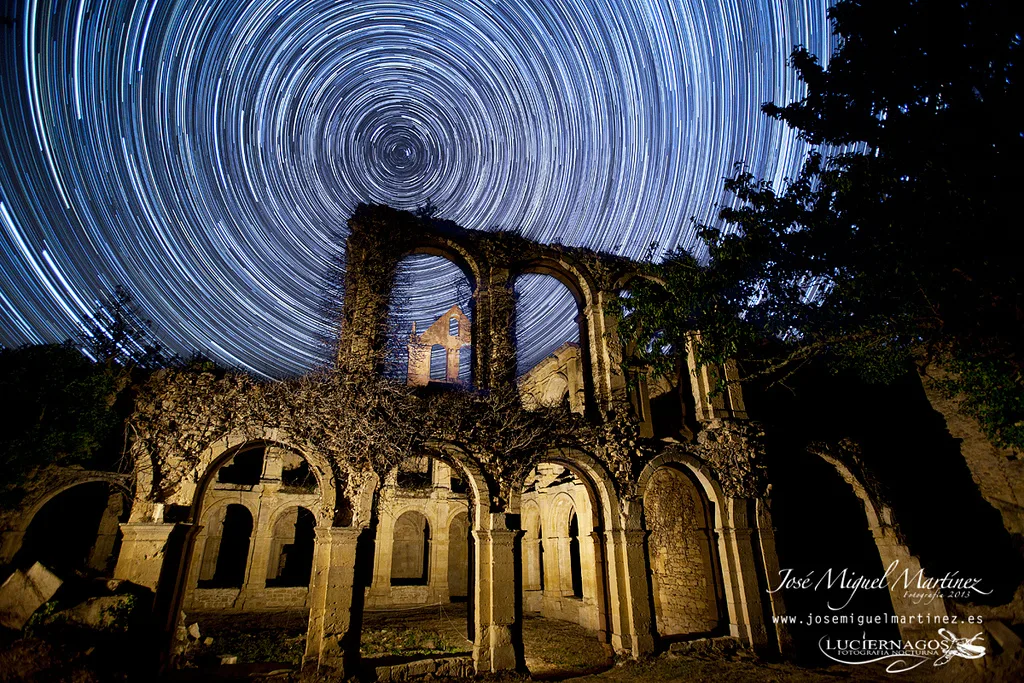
<point>502,537</point>
<point>634,536</point>
<point>150,531</point>
<point>338,534</point>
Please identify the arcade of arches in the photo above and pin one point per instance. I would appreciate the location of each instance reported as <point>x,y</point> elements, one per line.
<point>639,540</point>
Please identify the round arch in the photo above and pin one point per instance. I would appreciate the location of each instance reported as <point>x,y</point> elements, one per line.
<point>707,482</point>
<point>437,245</point>
<point>580,284</point>
<point>61,479</point>
<point>483,491</point>
<point>592,474</point>
<point>192,493</point>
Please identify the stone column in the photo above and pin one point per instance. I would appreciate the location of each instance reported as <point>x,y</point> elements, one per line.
<point>262,539</point>
<point>552,572</point>
<point>605,352</point>
<point>744,598</point>
<point>380,586</point>
<point>593,583</point>
<point>632,631</point>
<point>332,640</point>
<point>497,624</point>
<point>766,533</point>
<point>144,550</point>
<point>894,553</point>
<point>106,534</point>
<point>500,329</point>
<point>437,577</point>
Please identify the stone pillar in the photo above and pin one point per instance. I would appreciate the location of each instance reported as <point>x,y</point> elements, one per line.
<point>606,352</point>
<point>733,391</point>
<point>896,555</point>
<point>501,331</point>
<point>332,640</point>
<point>144,550</point>
<point>632,631</point>
<point>260,543</point>
<point>742,590</point>
<point>498,625</point>
<point>766,534</point>
<point>437,577</point>
<point>380,587</point>
<point>106,534</point>
<point>553,569</point>
<point>593,583</point>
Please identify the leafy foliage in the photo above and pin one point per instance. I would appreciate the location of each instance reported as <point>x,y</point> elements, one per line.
<point>896,241</point>
<point>58,408</point>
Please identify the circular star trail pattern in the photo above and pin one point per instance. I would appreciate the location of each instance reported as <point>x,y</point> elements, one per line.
<point>206,154</point>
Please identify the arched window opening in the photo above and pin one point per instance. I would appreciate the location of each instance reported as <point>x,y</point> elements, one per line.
<point>664,405</point>
<point>438,363</point>
<point>410,557</point>
<point>546,319</point>
<point>416,473</point>
<point>575,562</point>
<point>296,475</point>
<point>291,550</point>
<point>564,570</point>
<point>533,555</point>
<point>244,469</point>
<point>430,323</point>
<point>227,555</point>
<point>458,558</point>
<point>78,530</point>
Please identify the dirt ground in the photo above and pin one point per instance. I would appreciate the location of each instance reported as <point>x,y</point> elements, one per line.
<point>554,650</point>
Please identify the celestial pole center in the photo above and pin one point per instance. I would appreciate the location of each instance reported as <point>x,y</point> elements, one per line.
<point>206,154</point>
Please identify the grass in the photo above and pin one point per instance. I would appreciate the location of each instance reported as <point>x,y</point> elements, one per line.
<point>404,642</point>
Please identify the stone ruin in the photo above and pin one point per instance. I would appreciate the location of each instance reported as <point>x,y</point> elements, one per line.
<point>635,508</point>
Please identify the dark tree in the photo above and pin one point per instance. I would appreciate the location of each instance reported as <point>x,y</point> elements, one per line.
<point>899,241</point>
<point>57,408</point>
<point>118,334</point>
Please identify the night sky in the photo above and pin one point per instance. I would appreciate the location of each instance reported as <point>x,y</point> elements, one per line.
<point>206,154</point>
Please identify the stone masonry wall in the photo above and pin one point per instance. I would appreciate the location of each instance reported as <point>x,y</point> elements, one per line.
<point>682,579</point>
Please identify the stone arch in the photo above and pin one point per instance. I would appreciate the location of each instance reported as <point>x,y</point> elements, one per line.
<point>328,508</point>
<point>333,507</point>
<point>482,490</point>
<point>892,550</point>
<point>874,514</point>
<point>410,557</point>
<point>579,283</point>
<point>686,578</point>
<point>701,474</point>
<point>592,597</point>
<point>438,245</point>
<point>594,476</point>
<point>52,482</point>
<point>290,561</point>
<point>731,555</point>
<point>585,293</point>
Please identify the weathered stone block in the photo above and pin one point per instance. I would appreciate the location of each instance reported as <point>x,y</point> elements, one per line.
<point>24,592</point>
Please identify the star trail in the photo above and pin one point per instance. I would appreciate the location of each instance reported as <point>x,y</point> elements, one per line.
<point>206,154</point>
